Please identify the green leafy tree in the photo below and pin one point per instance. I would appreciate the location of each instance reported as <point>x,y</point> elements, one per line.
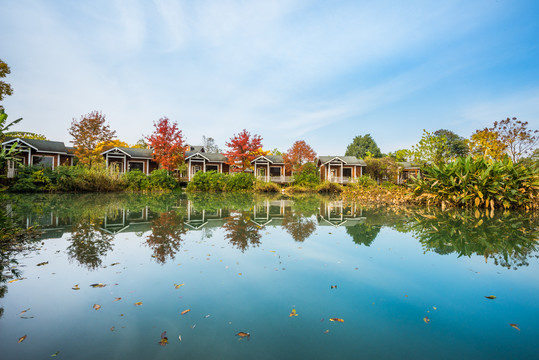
<point>382,169</point>
<point>430,149</point>
<point>361,145</point>
<point>457,146</point>
<point>5,88</point>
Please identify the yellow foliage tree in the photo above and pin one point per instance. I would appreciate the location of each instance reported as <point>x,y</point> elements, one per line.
<point>106,145</point>
<point>487,143</point>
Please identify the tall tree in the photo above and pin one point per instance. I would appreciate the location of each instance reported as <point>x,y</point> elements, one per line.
<point>487,143</point>
<point>5,88</point>
<point>431,148</point>
<point>107,145</point>
<point>361,145</point>
<point>210,145</point>
<point>167,143</point>
<point>89,131</point>
<point>518,139</point>
<point>457,146</point>
<point>242,149</point>
<point>298,155</point>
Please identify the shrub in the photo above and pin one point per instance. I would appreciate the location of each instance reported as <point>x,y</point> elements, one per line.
<point>309,176</point>
<point>329,187</point>
<point>262,186</point>
<point>207,181</point>
<point>240,181</point>
<point>366,182</point>
<point>136,180</point>
<point>161,180</point>
<point>470,182</point>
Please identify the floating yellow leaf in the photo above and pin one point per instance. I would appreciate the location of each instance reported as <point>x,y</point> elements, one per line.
<point>76,287</point>
<point>426,319</point>
<point>43,263</point>
<point>177,286</point>
<point>164,339</point>
<point>515,326</point>
<point>117,299</point>
<point>55,354</point>
<point>21,339</point>
<point>325,332</point>
<point>12,281</point>
<point>293,313</point>
<point>97,306</point>
<point>242,334</point>
<point>336,319</point>
<point>239,273</point>
<point>185,311</point>
<point>22,312</point>
<point>434,307</point>
<point>98,285</point>
<point>491,297</point>
<point>138,303</point>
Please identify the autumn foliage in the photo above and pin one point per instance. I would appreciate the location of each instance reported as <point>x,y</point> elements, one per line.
<point>167,143</point>
<point>87,133</point>
<point>242,149</point>
<point>298,155</point>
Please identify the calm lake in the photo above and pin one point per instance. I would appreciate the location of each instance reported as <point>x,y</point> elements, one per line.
<point>306,277</point>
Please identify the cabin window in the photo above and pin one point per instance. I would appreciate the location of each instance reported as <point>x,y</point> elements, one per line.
<point>196,169</point>
<point>261,171</point>
<point>136,166</point>
<point>347,172</point>
<point>275,171</point>
<point>45,161</point>
<point>212,168</point>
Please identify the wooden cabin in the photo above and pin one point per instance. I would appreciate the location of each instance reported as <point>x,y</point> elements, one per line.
<point>270,168</point>
<point>197,159</point>
<point>128,159</point>
<point>340,169</point>
<point>407,170</point>
<point>32,152</point>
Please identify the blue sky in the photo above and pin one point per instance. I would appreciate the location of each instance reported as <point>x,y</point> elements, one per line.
<point>319,71</point>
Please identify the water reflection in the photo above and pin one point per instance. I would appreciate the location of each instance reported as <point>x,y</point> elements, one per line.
<point>92,221</point>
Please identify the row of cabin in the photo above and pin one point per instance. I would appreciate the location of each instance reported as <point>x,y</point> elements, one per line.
<point>269,168</point>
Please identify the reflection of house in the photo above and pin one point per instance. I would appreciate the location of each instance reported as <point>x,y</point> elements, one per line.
<point>198,219</point>
<point>336,213</point>
<point>406,171</point>
<point>340,169</point>
<point>38,152</point>
<point>271,211</point>
<point>270,168</point>
<point>197,159</point>
<point>126,220</point>
<point>127,159</point>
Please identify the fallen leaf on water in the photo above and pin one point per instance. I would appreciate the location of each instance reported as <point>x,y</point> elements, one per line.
<point>177,286</point>
<point>22,312</point>
<point>491,297</point>
<point>293,313</point>
<point>206,316</point>
<point>138,303</point>
<point>76,287</point>
<point>98,285</point>
<point>180,337</point>
<point>112,328</point>
<point>27,317</point>
<point>336,319</point>
<point>515,326</point>
<point>426,319</point>
<point>97,306</point>
<point>239,273</point>
<point>185,311</point>
<point>12,281</point>
<point>55,354</point>
<point>193,326</point>
<point>242,334</point>
<point>21,339</point>
<point>434,307</point>
<point>114,264</point>
<point>117,299</point>
<point>164,339</point>
<point>43,263</point>
<point>333,286</point>
<point>325,332</point>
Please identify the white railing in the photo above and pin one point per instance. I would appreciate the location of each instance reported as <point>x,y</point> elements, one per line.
<point>276,179</point>
<point>342,180</point>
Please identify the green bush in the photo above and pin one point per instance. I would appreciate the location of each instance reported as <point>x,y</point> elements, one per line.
<point>366,182</point>
<point>161,180</point>
<point>207,181</point>
<point>240,182</point>
<point>136,180</point>
<point>309,176</point>
<point>469,182</point>
<point>329,187</point>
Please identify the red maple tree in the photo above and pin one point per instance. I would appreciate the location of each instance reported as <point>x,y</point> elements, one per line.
<point>242,149</point>
<point>298,155</point>
<point>167,143</point>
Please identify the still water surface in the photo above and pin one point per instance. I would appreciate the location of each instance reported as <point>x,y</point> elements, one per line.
<point>407,284</point>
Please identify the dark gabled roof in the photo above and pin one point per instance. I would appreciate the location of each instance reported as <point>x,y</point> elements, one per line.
<point>196,148</point>
<point>348,160</point>
<point>133,152</point>
<point>274,159</point>
<point>209,156</point>
<point>40,145</point>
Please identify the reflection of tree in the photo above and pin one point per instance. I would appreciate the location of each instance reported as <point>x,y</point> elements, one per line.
<point>89,243</point>
<point>241,231</point>
<point>363,234</point>
<point>510,240</point>
<point>299,226</point>
<point>165,237</point>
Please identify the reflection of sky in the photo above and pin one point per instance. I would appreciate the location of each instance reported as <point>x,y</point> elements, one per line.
<point>280,274</point>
